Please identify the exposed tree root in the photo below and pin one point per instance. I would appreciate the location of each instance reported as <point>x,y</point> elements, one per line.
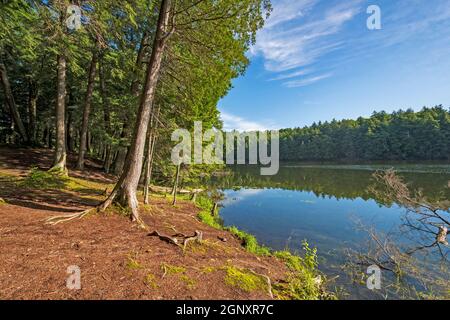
<point>65,218</point>
<point>179,240</point>
<point>269,283</point>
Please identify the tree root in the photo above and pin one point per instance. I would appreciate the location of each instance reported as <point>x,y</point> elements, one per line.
<point>179,240</point>
<point>65,218</point>
<point>269,283</point>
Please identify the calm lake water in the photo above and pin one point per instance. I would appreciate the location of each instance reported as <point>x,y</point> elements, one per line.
<point>323,205</point>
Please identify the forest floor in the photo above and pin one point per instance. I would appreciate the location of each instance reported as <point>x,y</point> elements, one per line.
<point>117,259</point>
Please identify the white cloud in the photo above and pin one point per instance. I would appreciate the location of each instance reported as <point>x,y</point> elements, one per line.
<point>232,122</point>
<point>306,81</point>
<point>296,36</point>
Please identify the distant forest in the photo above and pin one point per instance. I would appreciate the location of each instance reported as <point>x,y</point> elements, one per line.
<point>402,135</point>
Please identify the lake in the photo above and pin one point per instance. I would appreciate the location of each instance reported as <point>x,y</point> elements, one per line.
<point>324,205</point>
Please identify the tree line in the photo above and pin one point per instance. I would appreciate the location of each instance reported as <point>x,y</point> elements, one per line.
<point>401,135</point>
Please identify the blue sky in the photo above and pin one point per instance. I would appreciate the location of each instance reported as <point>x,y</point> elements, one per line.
<point>316,60</point>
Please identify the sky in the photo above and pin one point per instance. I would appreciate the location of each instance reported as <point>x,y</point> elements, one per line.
<point>316,60</point>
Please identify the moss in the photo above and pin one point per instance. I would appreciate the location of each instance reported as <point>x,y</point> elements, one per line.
<point>2,202</point>
<point>190,283</point>
<point>132,263</point>
<point>170,269</point>
<point>150,280</point>
<point>244,280</point>
<point>207,270</point>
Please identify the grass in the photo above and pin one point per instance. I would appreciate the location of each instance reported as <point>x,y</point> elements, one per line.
<point>40,180</point>
<point>249,242</point>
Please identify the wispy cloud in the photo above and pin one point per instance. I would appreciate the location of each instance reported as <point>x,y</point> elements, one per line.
<point>232,122</point>
<point>297,35</point>
<point>307,81</point>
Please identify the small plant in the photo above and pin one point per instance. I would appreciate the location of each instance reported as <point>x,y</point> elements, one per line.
<point>304,280</point>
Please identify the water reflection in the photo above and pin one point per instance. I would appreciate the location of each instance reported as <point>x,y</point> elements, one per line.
<point>322,205</point>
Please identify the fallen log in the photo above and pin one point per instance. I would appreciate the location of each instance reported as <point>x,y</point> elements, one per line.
<point>157,189</point>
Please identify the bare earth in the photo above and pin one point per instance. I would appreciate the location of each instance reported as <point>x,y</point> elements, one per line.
<point>117,259</point>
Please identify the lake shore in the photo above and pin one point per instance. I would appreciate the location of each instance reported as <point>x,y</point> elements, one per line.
<point>117,259</point>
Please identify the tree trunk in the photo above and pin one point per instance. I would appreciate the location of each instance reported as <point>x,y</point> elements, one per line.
<point>106,117</point>
<point>135,91</point>
<point>126,188</point>
<point>87,111</point>
<point>150,150</point>
<point>60,160</point>
<point>10,102</point>
<point>175,185</point>
<point>214,209</point>
<point>32,111</point>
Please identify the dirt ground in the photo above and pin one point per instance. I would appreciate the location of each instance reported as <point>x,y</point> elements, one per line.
<point>117,259</point>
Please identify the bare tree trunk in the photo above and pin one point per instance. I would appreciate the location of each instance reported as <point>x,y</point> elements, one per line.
<point>135,91</point>
<point>60,150</point>
<point>10,102</point>
<point>87,111</point>
<point>150,150</point>
<point>175,185</point>
<point>106,117</point>
<point>126,188</point>
<point>32,110</point>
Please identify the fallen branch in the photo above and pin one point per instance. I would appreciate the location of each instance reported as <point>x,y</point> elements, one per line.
<point>179,240</point>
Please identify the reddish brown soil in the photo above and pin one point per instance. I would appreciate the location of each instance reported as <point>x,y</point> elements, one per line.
<point>114,255</point>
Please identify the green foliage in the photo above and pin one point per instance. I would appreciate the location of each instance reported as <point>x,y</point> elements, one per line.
<point>402,135</point>
<point>304,280</point>
<point>249,242</point>
<point>38,179</point>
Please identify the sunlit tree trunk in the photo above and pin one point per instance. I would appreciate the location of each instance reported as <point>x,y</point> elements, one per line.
<point>175,185</point>
<point>32,110</point>
<point>60,159</point>
<point>126,188</point>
